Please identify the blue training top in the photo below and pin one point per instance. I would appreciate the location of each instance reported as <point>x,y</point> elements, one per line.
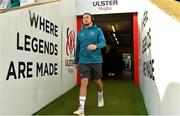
<point>87,36</point>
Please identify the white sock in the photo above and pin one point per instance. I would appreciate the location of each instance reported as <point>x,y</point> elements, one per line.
<point>100,94</point>
<point>82,100</point>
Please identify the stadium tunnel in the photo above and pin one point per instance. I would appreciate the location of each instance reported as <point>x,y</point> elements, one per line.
<point>137,35</point>
<point>121,34</point>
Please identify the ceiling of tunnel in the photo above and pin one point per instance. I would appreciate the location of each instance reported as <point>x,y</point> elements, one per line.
<point>122,36</point>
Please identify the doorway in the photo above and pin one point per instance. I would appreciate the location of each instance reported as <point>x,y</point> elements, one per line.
<point>121,53</point>
<point>118,32</point>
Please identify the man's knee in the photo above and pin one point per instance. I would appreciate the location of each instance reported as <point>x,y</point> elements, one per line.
<point>84,82</point>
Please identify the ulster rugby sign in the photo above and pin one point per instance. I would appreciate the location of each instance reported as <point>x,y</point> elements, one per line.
<point>107,6</point>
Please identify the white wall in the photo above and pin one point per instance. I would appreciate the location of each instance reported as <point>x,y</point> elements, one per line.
<point>28,95</point>
<point>161,95</point>
<point>69,35</point>
<point>102,7</point>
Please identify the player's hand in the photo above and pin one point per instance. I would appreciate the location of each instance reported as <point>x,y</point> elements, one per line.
<point>91,47</point>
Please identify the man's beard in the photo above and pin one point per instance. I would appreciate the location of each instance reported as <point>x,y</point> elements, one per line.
<point>88,24</point>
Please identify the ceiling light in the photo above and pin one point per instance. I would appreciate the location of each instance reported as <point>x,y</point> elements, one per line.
<point>113,28</point>
<point>114,35</point>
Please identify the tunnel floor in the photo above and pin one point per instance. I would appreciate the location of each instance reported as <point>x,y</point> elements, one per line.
<point>121,96</point>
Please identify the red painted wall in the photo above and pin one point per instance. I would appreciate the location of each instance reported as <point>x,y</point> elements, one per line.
<point>79,26</point>
<point>136,48</point>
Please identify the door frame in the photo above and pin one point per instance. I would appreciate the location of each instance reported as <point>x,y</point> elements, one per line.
<point>135,47</point>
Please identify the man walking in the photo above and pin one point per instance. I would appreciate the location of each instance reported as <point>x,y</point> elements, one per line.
<point>88,58</point>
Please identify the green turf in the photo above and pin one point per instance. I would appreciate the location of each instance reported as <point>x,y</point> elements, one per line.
<point>121,97</point>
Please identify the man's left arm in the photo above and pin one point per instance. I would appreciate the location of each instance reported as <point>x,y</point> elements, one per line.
<point>101,39</point>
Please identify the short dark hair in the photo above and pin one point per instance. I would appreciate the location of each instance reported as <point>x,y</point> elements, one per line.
<point>92,17</point>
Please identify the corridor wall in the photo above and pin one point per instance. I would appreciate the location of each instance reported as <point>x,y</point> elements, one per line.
<point>32,56</point>
<point>159,64</point>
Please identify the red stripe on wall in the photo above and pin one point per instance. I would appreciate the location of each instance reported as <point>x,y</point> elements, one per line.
<point>136,48</point>
<point>79,27</point>
<point>79,24</point>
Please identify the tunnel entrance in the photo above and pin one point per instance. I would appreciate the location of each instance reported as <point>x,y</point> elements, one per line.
<point>118,54</point>
<point>121,56</point>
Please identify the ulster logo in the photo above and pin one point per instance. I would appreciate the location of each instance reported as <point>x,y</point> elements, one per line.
<point>105,4</point>
<point>70,50</point>
<point>70,43</point>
